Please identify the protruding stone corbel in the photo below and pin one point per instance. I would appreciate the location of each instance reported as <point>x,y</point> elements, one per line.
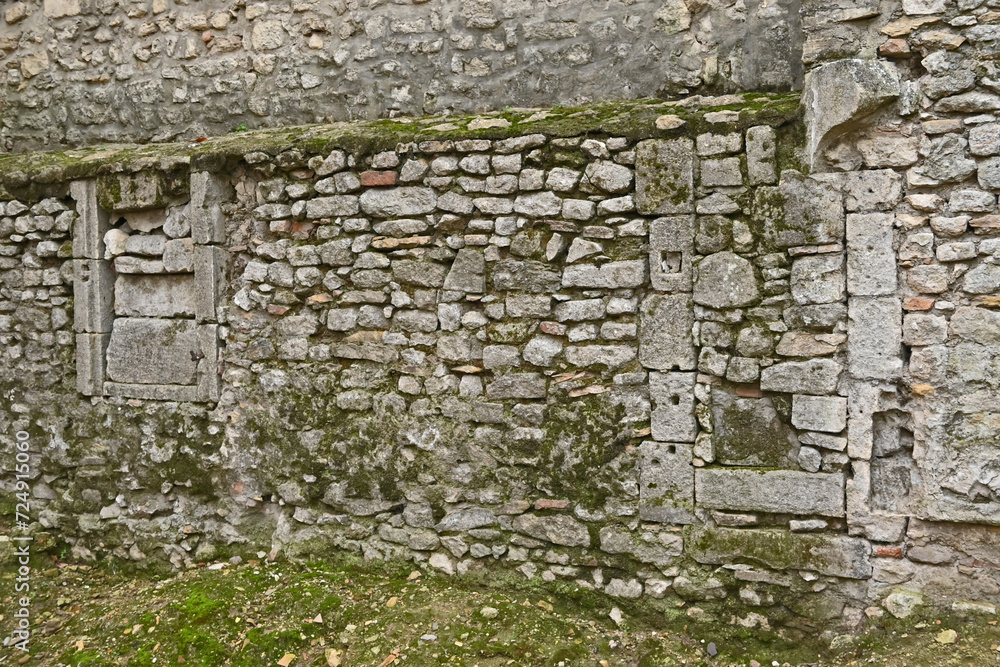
<point>839,94</point>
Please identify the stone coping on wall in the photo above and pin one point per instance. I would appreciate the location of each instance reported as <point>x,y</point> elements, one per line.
<point>24,174</point>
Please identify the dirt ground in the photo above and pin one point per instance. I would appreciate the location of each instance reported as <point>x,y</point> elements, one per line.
<point>352,613</point>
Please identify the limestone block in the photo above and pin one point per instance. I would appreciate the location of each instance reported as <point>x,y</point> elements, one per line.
<point>209,380</point>
<point>871,263</point>
<point>775,491</point>
<point>153,351</point>
<point>924,329</point>
<point>525,276</point>
<point>831,555</point>
<point>55,9</point>
<point>131,192</point>
<point>467,272</point>
<point>724,172</point>
<point>816,376</point>
<point>819,413</point>
<point>517,385</point>
<point>609,356</point>
<point>818,279</point>
<point>673,415</point>
<point>424,274</point>
<point>666,482</point>
<point>800,211</point>
<point>725,280</point>
<point>762,142</point>
<point>873,190</point>
<point>984,279</point>
<point>91,222</point>
<point>750,432</point>
<point>93,290</point>
<point>874,338</point>
<point>332,207</point>
<point>977,324</point>
<point>210,264</point>
<point>665,340</point>
<point>609,177</point>
<point>398,202</point>
<point>671,242</point>
<point>664,177</point>
<point>152,392</point>
<point>558,529</point>
<point>155,296</point>
<point>837,93</point>
<point>208,192</point>
<point>145,244</point>
<point>613,275</point>
<point>90,363</point>
<point>178,256</point>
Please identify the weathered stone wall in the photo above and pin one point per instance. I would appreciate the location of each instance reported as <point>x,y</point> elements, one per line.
<point>707,352</point>
<point>82,72</point>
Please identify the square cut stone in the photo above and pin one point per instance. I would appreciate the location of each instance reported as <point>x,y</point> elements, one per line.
<point>664,176</point>
<point>93,290</point>
<point>155,296</point>
<point>153,351</point>
<point>775,491</point>
<point>724,172</point>
<point>665,341</point>
<point>90,357</point>
<point>666,482</point>
<point>819,413</point>
<point>673,416</point>
<point>91,223</point>
<point>871,261</point>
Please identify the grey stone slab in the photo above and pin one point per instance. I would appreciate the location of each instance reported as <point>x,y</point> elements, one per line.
<point>762,143</point>
<point>613,275</point>
<point>151,392</point>
<point>209,379</point>
<point>517,385</point>
<point>210,263</point>
<point>208,192</point>
<point>467,273</point>
<point>799,211</point>
<point>775,491</point>
<point>750,432</point>
<point>871,261</point>
<point>817,279</point>
<point>91,223</point>
<point>140,191</point>
<point>155,296</point>
<point>153,351</point>
<point>90,363</point>
<point>831,555</point>
<point>400,202</point>
<point>558,529</point>
<point>816,376</point>
<point>665,340</point>
<point>666,482</point>
<point>819,413</point>
<point>875,337</point>
<point>664,176</point>
<point>673,417</point>
<point>93,293</point>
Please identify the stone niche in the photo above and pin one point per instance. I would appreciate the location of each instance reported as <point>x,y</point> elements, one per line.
<point>149,274</point>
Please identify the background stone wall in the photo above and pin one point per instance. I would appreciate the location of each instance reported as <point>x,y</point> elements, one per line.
<point>82,72</point>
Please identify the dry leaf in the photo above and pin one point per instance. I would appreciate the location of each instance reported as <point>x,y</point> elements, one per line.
<point>286,659</point>
<point>332,657</point>
<point>583,391</point>
<point>318,619</point>
<point>79,645</point>
<point>392,602</point>
<point>416,574</point>
<point>389,660</point>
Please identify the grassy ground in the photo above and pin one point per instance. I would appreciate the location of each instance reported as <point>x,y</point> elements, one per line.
<point>348,613</point>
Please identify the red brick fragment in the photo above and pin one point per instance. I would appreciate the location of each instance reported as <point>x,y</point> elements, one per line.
<point>888,552</point>
<point>749,392</point>
<point>276,310</point>
<point>894,48</point>
<point>553,328</point>
<point>917,303</point>
<point>376,178</point>
<point>551,504</point>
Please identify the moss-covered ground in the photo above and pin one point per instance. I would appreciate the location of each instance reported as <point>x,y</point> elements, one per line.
<point>351,613</point>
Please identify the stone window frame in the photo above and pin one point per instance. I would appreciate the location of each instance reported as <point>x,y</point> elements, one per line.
<point>94,280</point>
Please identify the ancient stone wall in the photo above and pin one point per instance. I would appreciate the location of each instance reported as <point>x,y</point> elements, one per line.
<point>81,72</point>
<point>733,354</point>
